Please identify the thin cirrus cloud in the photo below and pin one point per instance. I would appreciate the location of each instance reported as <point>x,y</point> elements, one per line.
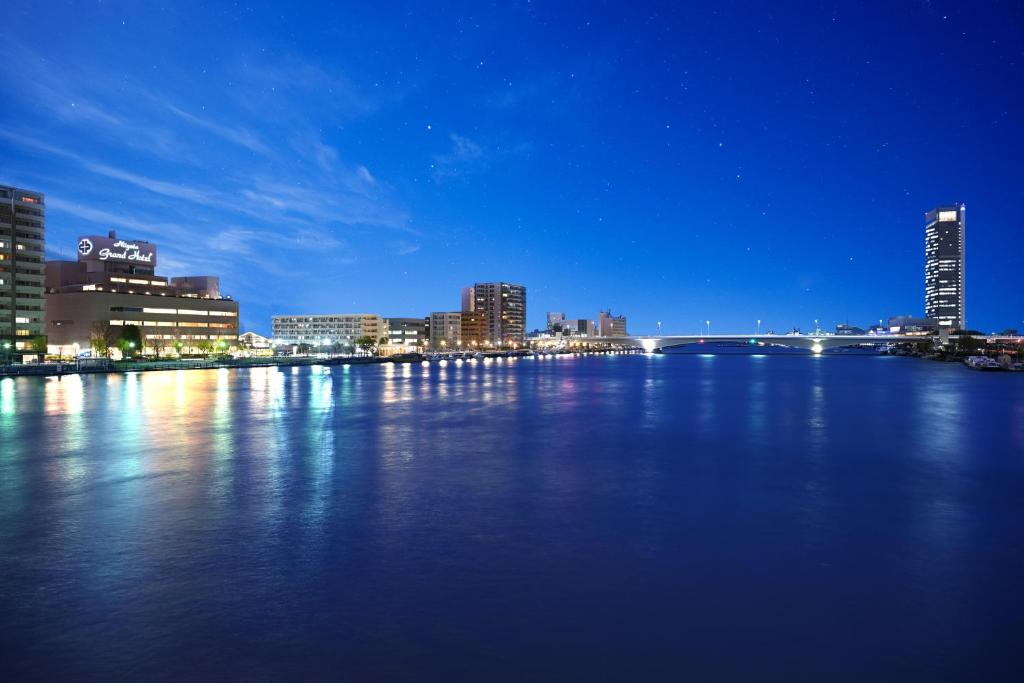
<point>239,136</point>
<point>464,156</point>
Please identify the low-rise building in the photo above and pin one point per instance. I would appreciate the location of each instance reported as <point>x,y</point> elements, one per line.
<point>905,324</point>
<point>578,327</point>
<point>251,340</point>
<point>406,335</point>
<point>327,329</point>
<point>609,325</point>
<point>113,285</point>
<point>445,330</point>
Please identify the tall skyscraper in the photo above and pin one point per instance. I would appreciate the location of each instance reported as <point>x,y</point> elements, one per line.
<point>22,272</point>
<point>503,306</point>
<point>944,265</point>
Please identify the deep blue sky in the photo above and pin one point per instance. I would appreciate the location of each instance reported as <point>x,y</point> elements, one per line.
<point>722,160</point>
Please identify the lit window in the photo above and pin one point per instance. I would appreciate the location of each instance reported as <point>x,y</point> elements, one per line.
<point>117,279</point>
<point>162,311</point>
<point>947,216</point>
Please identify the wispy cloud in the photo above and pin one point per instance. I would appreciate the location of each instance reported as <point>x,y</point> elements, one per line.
<point>239,136</point>
<point>244,183</point>
<point>464,156</point>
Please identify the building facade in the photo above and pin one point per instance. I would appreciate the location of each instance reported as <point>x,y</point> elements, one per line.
<point>573,327</point>
<point>554,318</point>
<point>474,330</point>
<point>577,327</point>
<point>252,340</point>
<point>503,307</point>
<point>445,331</point>
<point>22,278</point>
<point>944,265</point>
<point>905,324</point>
<point>327,329</point>
<point>113,284</point>
<point>609,325</point>
<point>406,335</point>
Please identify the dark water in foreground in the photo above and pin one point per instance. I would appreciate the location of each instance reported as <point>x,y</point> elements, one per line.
<point>601,518</point>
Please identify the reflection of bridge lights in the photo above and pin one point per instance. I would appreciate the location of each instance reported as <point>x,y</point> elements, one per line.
<point>817,348</point>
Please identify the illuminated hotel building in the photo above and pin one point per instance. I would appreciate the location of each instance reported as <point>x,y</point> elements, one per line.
<point>327,329</point>
<point>944,265</point>
<point>22,239</point>
<point>503,309</point>
<point>113,284</point>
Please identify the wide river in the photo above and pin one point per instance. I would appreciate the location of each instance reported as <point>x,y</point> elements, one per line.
<point>624,518</point>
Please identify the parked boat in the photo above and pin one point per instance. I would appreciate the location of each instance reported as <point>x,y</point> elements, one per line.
<point>982,363</point>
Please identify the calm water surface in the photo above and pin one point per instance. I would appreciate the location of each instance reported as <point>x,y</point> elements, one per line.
<point>599,518</point>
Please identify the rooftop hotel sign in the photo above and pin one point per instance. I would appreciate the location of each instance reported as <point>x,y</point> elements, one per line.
<point>116,250</point>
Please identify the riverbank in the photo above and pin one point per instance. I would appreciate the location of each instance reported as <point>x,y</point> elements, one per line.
<point>101,366</point>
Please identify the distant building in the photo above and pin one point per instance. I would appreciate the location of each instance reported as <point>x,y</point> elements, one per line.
<point>944,265</point>
<point>114,284</point>
<point>503,306</point>
<point>609,325</point>
<point>468,300</point>
<point>327,329</point>
<point>204,286</point>
<point>904,324</point>
<point>845,329</point>
<point>445,330</point>
<point>251,340</point>
<point>408,334</point>
<point>577,327</point>
<point>22,252</point>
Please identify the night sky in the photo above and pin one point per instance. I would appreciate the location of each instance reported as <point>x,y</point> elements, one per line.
<point>723,161</point>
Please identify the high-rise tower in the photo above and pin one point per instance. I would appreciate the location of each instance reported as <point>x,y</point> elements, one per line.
<point>944,265</point>
<point>22,300</point>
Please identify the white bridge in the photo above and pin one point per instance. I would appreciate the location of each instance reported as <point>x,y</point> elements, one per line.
<point>815,343</point>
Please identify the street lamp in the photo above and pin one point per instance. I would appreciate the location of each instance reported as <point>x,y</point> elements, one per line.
<point>759,328</point>
<point>708,323</point>
<point>659,328</point>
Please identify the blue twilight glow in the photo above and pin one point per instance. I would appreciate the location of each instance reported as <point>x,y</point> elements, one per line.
<point>675,162</point>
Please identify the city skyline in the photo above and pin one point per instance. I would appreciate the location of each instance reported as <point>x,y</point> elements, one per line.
<point>611,167</point>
